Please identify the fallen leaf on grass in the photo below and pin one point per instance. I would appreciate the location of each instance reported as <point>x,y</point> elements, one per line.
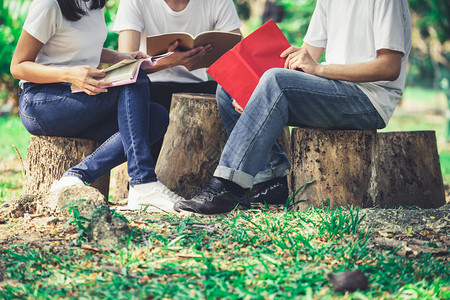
<point>188,255</point>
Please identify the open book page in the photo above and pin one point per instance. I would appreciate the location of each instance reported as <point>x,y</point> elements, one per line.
<point>124,72</point>
<point>221,42</point>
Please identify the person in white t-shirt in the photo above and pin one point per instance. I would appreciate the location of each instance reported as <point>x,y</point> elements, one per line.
<point>62,44</point>
<point>367,46</point>
<point>137,19</point>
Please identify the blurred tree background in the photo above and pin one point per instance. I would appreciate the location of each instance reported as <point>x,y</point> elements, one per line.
<point>429,60</point>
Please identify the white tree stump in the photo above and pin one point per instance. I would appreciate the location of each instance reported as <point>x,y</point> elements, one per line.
<point>48,157</point>
<point>365,169</point>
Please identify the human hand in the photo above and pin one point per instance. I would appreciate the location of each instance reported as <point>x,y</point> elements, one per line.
<point>184,58</point>
<point>237,107</point>
<point>87,78</point>
<point>298,58</point>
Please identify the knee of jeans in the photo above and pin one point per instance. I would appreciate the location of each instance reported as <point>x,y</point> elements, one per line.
<point>222,96</point>
<point>270,75</point>
<point>159,119</point>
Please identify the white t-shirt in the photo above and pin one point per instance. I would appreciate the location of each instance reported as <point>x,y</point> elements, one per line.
<point>155,17</point>
<point>66,43</point>
<point>353,30</point>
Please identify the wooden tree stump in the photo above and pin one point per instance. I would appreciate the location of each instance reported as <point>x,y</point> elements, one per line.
<point>408,170</point>
<point>122,182</point>
<point>48,157</point>
<point>340,162</point>
<point>192,145</point>
<point>365,169</point>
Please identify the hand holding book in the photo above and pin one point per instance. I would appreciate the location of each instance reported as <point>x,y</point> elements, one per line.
<point>219,41</point>
<point>126,71</point>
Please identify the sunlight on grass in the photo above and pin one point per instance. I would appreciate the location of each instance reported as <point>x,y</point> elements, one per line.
<point>254,254</point>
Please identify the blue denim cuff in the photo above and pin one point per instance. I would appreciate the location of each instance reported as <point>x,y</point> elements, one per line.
<point>276,172</point>
<point>243,179</point>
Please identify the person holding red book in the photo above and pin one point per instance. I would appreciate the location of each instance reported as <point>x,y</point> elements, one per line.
<point>367,46</point>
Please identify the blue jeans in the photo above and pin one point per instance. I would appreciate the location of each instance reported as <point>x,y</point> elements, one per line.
<point>285,97</point>
<point>122,119</point>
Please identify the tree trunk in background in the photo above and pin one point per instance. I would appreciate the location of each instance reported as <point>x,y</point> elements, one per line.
<point>49,157</point>
<point>256,8</point>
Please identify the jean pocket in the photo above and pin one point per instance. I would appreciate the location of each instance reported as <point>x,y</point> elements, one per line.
<point>31,124</point>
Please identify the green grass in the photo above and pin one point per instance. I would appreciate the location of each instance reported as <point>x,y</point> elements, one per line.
<point>12,132</point>
<point>249,255</point>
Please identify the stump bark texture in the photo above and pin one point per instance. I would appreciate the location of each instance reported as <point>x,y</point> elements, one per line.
<point>366,169</point>
<point>408,170</point>
<point>49,157</point>
<point>122,182</point>
<point>192,145</point>
<point>339,162</point>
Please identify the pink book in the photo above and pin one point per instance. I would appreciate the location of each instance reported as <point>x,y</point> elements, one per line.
<point>126,71</point>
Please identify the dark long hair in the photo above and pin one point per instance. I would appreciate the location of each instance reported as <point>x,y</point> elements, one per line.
<point>73,10</point>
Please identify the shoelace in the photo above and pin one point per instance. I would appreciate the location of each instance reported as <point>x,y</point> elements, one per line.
<point>168,192</point>
<point>215,187</point>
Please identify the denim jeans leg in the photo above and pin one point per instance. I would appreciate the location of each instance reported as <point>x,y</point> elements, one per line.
<point>284,97</point>
<point>270,169</point>
<point>111,153</point>
<point>134,127</point>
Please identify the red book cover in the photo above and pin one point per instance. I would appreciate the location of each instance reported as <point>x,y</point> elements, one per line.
<point>238,70</point>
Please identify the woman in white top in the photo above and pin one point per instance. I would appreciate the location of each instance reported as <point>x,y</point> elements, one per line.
<point>62,44</point>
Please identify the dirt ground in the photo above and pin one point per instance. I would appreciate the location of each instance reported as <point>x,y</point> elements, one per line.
<point>50,232</point>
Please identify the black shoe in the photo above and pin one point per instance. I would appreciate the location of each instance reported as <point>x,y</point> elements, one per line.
<point>273,192</point>
<point>214,199</point>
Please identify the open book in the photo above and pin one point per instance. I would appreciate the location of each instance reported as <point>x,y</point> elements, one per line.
<point>126,71</point>
<point>238,71</point>
<point>220,41</point>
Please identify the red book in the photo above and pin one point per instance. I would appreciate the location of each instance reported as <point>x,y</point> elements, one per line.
<point>238,70</point>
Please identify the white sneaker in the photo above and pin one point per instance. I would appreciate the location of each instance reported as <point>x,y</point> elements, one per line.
<point>66,181</point>
<point>151,197</point>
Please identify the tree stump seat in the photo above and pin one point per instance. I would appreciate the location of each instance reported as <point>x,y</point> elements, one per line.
<point>49,157</point>
<point>366,168</point>
<point>192,146</point>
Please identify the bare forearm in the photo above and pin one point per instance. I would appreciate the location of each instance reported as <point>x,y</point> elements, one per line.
<point>33,72</point>
<point>361,72</point>
<point>386,67</point>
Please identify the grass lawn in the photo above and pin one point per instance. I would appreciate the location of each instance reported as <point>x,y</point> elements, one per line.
<point>256,254</point>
